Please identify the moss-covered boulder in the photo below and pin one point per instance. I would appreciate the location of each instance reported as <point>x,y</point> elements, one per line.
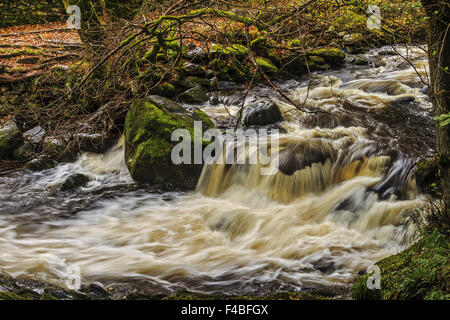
<point>10,137</point>
<point>238,51</point>
<point>148,146</point>
<point>266,65</point>
<point>332,56</point>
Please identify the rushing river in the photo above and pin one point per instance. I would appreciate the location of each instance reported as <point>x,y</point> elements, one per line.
<point>340,201</point>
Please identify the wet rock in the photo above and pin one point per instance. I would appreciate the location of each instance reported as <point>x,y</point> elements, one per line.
<point>261,113</point>
<point>387,52</point>
<point>196,55</point>
<point>34,135</point>
<point>195,95</point>
<point>74,181</point>
<point>214,99</point>
<point>193,81</point>
<point>352,38</point>
<point>148,144</point>
<point>226,86</point>
<point>40,163</point>
<point>23,152</point>
<point>10,137</point>
<point>192,69</point>
<point>425,90</point>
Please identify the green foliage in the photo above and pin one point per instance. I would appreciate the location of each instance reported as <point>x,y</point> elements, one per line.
<point>444,119</point>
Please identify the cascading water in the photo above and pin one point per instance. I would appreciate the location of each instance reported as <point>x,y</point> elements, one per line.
<point>340,200</point>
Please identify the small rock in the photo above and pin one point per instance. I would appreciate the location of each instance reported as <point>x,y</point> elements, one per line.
<point>425,90</point>
<point>354,37</point>
<point>387,52</point>
<point>196,55</point>
<point>34,135</point>
<point>194,95</point>
<point>192,69</point>
<point>74,181</point>
<point>261,113</point>
<point>40,163</point>
<point>10,137</point>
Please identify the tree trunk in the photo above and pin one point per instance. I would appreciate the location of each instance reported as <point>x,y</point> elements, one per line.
<point>439,60</point>
<point>92,32</point>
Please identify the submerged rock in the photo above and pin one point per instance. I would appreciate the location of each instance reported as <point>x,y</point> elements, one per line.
<point>40,163</point>
<point>10,137</point>
<point>261,113</point>
<point>74,181</point>
<point>148,145</point>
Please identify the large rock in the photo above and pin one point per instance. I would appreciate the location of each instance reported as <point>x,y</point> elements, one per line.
<point>260,113</point>
<point>148,146</point>
<point>10,137</point>
<point>197,94</point>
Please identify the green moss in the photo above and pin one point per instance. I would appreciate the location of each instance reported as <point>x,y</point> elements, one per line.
<point>266,66</point>
<point>11,296</point>
<point>199,115</point>
<point>165,90</point>
<point>236,50</point>
<point>333,56</point>
<point>295,43</point>
<point>148,145</point>
<point>420,272</point>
